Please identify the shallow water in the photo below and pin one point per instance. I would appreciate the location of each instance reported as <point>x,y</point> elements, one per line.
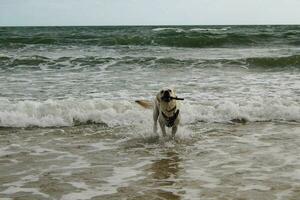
<point>251,161</point>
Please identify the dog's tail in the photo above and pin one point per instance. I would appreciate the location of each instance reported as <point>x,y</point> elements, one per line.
<point>145,103</point>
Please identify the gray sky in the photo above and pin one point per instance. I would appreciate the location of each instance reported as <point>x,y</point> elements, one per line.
<point>147,12</point>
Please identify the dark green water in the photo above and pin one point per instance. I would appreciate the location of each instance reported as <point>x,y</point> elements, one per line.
<point>172,36</point>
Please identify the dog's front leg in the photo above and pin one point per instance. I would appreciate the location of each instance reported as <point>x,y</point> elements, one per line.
<point>174,130</point>
<point>163,128</point>
<point>155,117</point>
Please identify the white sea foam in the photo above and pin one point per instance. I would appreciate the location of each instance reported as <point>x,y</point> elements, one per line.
<point>209,29</point>
<point>256,109</point>
<point>69,112</point>
<point>123,113</point>
<point>168,28</point>
<point>192,29</point>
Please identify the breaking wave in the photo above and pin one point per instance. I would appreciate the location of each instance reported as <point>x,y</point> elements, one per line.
<point>71,112</point>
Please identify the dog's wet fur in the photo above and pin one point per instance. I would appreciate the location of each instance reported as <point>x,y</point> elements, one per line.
<point>165,111</point>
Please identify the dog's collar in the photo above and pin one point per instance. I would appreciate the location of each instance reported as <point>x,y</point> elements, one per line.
<point>170,121</point>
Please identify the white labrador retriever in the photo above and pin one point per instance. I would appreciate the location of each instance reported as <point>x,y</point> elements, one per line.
<point>165,110</point>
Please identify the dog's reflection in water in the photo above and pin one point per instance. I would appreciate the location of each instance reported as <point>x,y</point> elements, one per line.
<point>165,172</point>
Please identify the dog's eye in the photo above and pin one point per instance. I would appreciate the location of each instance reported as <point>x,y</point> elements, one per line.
<point>161,91</point>
<point>169,90</point>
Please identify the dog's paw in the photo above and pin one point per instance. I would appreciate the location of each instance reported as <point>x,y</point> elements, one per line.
<point>163,139</point>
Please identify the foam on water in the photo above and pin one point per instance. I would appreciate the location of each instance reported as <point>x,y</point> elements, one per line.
<point>70,112</point>
<point>210,29</point>
<point>16,187</point>
<point>178,30</point>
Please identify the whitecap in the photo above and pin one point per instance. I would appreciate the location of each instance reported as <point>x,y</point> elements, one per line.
<point>112,113</point>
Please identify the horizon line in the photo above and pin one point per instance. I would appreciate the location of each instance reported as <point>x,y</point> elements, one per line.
<point>133,25</point>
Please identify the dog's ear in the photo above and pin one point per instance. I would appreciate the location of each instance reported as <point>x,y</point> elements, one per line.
<point>158,96</point>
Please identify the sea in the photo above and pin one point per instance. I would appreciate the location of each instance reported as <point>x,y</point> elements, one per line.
<point>70,128</point>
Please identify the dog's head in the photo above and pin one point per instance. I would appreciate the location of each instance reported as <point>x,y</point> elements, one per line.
<point>166,94</point>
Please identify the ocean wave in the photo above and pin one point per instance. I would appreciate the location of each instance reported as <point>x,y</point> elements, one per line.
<point>274,62</point>
<point>37,62</point>
<point>186,30</point>
<point>178,30</point>
<point>185,36</point>
<point>168,38</point>
<point>209,29</point>
<point>71,112</point>
<point>57,113</point>
<point>286,61</point>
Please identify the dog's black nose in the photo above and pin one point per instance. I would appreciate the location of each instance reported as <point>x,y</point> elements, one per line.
<point>166,96</point>
<point>167,93</point>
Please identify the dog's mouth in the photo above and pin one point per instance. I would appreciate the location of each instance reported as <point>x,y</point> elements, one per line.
<point>166,96</point>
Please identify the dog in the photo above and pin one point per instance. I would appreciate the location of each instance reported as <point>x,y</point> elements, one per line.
<point>165,110</point>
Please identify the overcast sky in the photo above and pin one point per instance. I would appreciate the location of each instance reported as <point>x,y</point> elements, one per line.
<point>147,12</point>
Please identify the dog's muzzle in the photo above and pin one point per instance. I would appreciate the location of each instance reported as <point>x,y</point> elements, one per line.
<point>166,96</point>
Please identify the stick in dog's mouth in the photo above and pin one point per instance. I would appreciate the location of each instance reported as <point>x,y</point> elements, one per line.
<point>177,98</point>
<point>169,98</point>
<point>168,95</point>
